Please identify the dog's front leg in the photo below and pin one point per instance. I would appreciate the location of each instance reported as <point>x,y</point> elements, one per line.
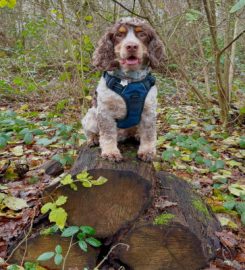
<point>147,127</point>
<point>108,137</point>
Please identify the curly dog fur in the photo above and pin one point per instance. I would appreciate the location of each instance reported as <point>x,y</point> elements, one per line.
<point>131,45</point>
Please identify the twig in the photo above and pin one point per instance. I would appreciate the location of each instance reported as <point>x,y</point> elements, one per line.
<point>236,38</point>
<point>110,251</point>
<point>68,250</point>
<point>23,240</point>
<point>130,11</point>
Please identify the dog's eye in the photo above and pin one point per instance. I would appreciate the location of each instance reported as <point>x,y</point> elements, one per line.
<point>120,35</point>
<point>141,34</point>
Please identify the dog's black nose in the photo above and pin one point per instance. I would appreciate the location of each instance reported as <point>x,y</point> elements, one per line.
<point>132,47</point>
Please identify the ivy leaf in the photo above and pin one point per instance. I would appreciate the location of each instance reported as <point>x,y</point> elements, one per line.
<point>229,205</point>
<point>58,259</point>
<point>83,245</point>
<point>46,141</point>
<point>28,138</point>
<point>219,164</point>
<point>93,242</point>
<point>61,200</point>
<point>88,230</point>
<point>45,256</point>
<point>59,216</point>
<point>68,232</point>
<point>170,153</point>
<point>240,207</point>
<point>3,142</point>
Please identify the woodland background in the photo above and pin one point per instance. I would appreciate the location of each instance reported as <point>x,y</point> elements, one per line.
<point>46,80</point>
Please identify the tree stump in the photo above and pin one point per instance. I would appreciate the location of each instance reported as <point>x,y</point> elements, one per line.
<point>76,258</point>
<point>160,217</point>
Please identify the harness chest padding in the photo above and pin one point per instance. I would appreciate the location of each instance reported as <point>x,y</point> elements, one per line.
<point>134,95</point>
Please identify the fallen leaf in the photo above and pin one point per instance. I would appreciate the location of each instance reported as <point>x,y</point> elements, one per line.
<point>237,189</point>
<point>224,221</point>
<point>228,239</point>
<point>17,150</point>
<point>14,203</point>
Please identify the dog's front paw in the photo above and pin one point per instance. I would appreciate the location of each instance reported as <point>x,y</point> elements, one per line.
<point>112,156</point>
<point>146,156</point>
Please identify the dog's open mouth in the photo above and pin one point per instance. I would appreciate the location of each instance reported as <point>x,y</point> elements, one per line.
<point>131,60</point>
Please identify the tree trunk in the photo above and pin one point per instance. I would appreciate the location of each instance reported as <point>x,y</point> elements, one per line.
<point>159,216</point>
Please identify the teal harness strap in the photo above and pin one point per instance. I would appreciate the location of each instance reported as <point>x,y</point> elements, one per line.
<point>134,95</point>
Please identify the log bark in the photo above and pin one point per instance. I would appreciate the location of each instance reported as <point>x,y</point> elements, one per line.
<point>162,219</point>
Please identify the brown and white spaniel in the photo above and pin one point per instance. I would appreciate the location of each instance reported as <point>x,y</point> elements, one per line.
<point>128,50</point>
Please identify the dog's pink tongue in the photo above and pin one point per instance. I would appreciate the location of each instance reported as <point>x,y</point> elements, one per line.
<point>132,61</point>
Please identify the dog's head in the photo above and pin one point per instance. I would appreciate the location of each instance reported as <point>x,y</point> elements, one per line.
<point>130,44</point>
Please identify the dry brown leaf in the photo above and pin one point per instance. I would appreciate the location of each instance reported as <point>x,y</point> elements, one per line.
<point>228,239</point>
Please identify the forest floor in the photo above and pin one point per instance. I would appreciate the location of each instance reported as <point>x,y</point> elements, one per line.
<point>191,144</point>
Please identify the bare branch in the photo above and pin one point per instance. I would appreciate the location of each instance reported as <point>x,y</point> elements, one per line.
<point>130,11</point>
<point>236,38</point>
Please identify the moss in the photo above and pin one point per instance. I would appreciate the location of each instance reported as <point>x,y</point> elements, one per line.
<point>201,207</point>
<point>163,219</point>
<point>130,154</point>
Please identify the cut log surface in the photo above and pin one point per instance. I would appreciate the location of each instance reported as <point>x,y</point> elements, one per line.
<point>185,240</point>
<point>113,205</point>
<point>76,258</point>
<point>162,247</point>
<point>109,207</point>
<point>162,219</point>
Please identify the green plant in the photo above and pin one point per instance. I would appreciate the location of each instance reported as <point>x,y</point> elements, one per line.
<point>7,3</point>
<point>57,255</point>
<point>84,178</point>
<point>57,214</point>
<point>191,148</point>
<point>84,236</point>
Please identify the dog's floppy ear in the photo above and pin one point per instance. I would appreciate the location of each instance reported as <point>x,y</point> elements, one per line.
<point>156,50</point>
<point>104,55</point>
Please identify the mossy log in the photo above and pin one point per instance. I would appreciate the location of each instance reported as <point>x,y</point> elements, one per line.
<point>165,223</point>
<point>180,237</point>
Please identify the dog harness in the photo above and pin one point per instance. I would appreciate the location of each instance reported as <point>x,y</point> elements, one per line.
<point>134,95</point>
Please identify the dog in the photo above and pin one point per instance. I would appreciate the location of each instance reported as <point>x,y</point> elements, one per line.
<point>126,98</point>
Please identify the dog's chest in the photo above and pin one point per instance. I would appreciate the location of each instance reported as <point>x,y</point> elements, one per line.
<point>112,103</point>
